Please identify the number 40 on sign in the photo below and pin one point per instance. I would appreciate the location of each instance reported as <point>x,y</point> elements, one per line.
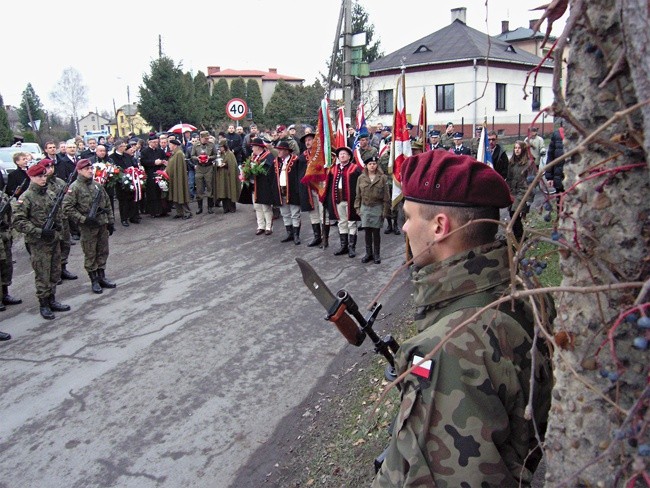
<point>236,109</point>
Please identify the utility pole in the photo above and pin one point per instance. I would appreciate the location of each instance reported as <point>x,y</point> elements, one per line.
<point>347,58</point>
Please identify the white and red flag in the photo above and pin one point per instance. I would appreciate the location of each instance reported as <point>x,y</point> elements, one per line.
<point>401,144</point>
<point>340,138</point>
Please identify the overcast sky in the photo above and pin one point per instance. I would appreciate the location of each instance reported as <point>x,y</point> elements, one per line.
<point>115,42</point>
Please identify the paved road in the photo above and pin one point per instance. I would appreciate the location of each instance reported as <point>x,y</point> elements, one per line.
<point>180,374</point>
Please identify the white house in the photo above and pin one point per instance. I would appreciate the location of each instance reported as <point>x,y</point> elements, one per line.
<point>468,78</point>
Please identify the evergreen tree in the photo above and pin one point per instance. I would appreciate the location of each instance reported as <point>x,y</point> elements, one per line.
<point>284,105</point>
<point>201,101</point>
<point>238,88</point>
<point>30,104</point>
<point>254,101</point>
<point>163,94</point>
<point>6,135</point>
<point>217,108</point>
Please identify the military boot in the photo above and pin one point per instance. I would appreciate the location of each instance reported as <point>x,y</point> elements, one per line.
<point>396,230</point>
<point>46,311</point>
<point>289,234</point>
<point>4,336</point>
<point>296,235</point>
<point>317,238</point>
<point>368,237</point>
<point>389,229</point>
<point>66,275</point>
<point>326,236</point>
<point>226,205</point>
<point>56,306</point>
<point>352,251</point>
<point>7,299</point>
<point>200,203</point>
<point>94,280</point>
<point>344,245</point>
<point>103,282</point>
<point>210,205</point>
<point>376,237</point>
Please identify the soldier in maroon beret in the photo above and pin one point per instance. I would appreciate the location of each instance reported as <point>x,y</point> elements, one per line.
<point>462,420</point>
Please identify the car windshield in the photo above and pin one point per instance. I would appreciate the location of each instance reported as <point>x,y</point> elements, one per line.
<point>7,153</point>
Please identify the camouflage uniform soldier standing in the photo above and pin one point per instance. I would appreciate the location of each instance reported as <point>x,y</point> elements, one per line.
<point>30,213</point>
<point>462,419</point>
<point>94,230</point>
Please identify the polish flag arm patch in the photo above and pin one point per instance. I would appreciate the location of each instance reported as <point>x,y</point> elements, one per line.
<point>422,370</point>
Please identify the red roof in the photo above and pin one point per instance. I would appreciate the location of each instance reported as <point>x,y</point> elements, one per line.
<point>270,75</point>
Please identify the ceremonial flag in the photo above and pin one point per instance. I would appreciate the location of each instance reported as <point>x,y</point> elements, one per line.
<point>401,144</point>
<point>340,140</point>
<point>422,122</point>
<point>484,155</point>
<point>319,158</point>
<point>361,129</point>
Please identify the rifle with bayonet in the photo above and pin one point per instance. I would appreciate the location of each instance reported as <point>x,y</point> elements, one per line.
<point>344,312</point>
<point>51,217</point>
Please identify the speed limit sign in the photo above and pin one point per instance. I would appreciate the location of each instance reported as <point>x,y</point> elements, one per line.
<point>236,109</point>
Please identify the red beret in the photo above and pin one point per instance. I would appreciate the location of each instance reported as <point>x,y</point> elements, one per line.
<point>35,170</point>
<point>443,178</point>
<point>46,162</point>
<point>83,163</point>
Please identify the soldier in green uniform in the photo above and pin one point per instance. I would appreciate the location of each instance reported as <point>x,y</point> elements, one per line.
<point>462,418</point>
<point>77,205</point>
<point>366,151</point>
<point>6,256</point>
<point>31,211</point>
<point>447,137</point>
<point>384,160</point>
<point>55,184</point>
<point>204,154</point>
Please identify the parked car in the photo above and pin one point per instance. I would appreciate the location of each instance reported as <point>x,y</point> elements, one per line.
<point>32,147</point>
<point>7,158</point>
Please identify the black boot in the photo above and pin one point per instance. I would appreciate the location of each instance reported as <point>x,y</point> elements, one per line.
<point>317,238</point>
<point>7,299</point>
<point>296,235</point>
<point>2,307</point>
<point>352,252</point>
<point>376,244</point>
<point>344,245</point>
<point>368,237</point>
<point>56,306</point>
<point>94,282</point>
<point>66,275</point>
<point>46,311</point>
<point>326,236</point>
<point>396,230</point>
<point>103,282</point>
<point>289,237</point>
<point>233,206</point>
<point>200,210</point>
<point>210,205</point>
<point>4,336</point>
<point>226,205</point>
<point>389,229</point>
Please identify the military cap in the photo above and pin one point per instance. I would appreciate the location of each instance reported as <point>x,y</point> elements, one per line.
<point>417,145</point>
<point>258,141</point>
<point>153,136</point>
<point>409,126</point>
<point>283,145</point>
<point>373,159</point>
<point>386,129</point>
<point>434,133</point>
<point>310,134</point>
<point>83,163</point>
<point>364,135</point>
<point>280,128</point>
<point>176,142</point>
<point>46,162</point>
<point>443,178</point>
<point>223,142</point>
<point>36,170</point>
<point>292,126</point>
<point>458,135</point>
<point>204,133</point>
<point>346,149</point>
<point>195,134</point>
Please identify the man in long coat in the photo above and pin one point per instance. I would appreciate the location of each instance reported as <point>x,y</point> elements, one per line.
<point>179,193</point>
<point>266,192</point>
<point>226,183</point>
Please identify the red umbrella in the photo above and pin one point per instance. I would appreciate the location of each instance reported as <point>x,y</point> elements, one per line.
<point>180,128</point>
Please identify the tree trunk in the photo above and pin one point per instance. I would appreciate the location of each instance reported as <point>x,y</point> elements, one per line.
<point>595,428</point>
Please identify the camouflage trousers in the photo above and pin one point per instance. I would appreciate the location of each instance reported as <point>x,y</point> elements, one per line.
<point>393,213</point>
<point>64,243</point>
<point>203,181</point>
<point>46,262</point>
<point>6,262</point>
<point>94,244</point>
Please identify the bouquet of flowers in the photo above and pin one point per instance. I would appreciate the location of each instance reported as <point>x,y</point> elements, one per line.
<point>249,169</point>
<point>106,174</point>
<point>134,180</point>
<point>162,180</point>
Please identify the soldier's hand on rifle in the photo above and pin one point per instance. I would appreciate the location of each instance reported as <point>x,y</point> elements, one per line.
<point>91,222</point>
<point>111,229</point>
<point>48,235</point>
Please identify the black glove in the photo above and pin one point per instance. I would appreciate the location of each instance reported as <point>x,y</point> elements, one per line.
<point>4,226</point>
<point>48,235</point>
<point>91,222</point>
<point>111,229</point>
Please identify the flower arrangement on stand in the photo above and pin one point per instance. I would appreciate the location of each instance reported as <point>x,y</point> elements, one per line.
<point>162,180</point>
<point>107,174</point>
<point>134,180</point>
<point>249,170</point>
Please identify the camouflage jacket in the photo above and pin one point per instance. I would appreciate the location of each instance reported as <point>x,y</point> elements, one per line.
<point>462,423</point>
<point>79,199</point>
<point>367,153</point>
<point>31,211</point>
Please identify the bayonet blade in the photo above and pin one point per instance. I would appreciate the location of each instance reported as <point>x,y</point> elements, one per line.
<point>316,285</point>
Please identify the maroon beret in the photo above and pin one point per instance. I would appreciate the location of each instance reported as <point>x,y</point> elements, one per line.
<point>83,163</point>
<point>35,170</point>
<point>443,178</point>
<point>46,162</point>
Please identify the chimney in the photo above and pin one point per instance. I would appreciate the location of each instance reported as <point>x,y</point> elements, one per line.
<point>213,70</point>
<point>531,23</point>
<point>273,70</point>
<point>459,13</point>
<point>505,26</point>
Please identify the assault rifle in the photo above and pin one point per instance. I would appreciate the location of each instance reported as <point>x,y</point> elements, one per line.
<point>49,222</point>
<point>94,208</point>
<point>7,205</point>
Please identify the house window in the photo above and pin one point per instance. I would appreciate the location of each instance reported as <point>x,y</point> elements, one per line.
<point>385,102</point>
<point>537,98</point>
<point>122,118</point>
<point>444,98</point>
<point>501,96</point>
<point>92,118</point>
